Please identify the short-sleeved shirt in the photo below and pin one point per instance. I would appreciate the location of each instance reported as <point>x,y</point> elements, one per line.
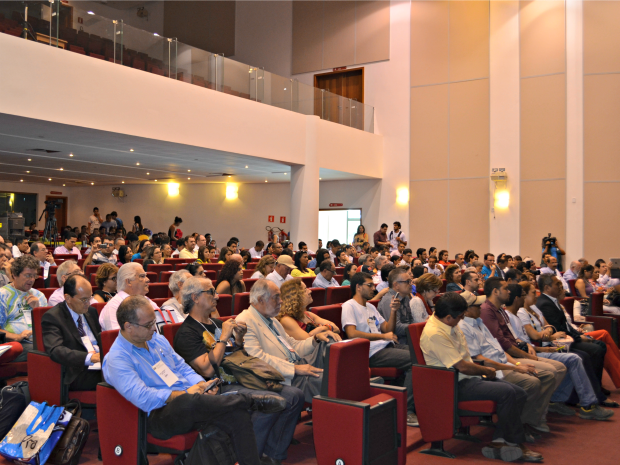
<point>444,346</point>
<point>481,342</point>
<point>365,319</point>
<point>94,223</point>
<point>528,319</point>
<point>320,281</point>
<point>297,273</point>
<point>394,237</point>
<point>15,312</point>
<point>190,342</point>
<point>275,277</point>
<point>255,254</point>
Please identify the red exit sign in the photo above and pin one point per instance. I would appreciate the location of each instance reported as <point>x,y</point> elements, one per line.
<point>56,192</point>
<point>335,205</point>
<point>342,68</point>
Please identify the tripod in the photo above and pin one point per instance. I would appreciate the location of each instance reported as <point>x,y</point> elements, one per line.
<point>50,228</point>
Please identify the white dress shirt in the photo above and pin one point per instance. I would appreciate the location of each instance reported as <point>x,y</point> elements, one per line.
<point>276,278</point>
<point>107,319</point>
<point>59,296</point>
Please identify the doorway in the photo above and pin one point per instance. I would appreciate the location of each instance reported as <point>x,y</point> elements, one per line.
<point>349,84</point>
<point>339,224</point>
<point>61,213</point>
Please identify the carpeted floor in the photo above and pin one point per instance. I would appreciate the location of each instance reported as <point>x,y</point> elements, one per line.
<point>571,440</point>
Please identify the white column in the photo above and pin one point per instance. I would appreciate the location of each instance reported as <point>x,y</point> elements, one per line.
<point>305,192</point>
<point>504,225</point>
<point>574,131</point>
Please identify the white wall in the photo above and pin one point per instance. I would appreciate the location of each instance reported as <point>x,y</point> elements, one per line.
<point>364,194</point>
<point>203,208</point>
<point>264,35</point>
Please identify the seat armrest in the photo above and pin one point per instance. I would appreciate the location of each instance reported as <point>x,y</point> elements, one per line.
<point>45,379</point>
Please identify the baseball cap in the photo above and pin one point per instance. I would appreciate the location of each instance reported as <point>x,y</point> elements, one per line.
<point>472,299</point>
<point>286,260</point>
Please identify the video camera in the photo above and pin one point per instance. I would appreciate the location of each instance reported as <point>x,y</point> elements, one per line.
<point>52,205</point>
<point>549,240</point>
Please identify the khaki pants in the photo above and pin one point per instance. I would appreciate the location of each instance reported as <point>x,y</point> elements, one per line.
<point>539,390</point>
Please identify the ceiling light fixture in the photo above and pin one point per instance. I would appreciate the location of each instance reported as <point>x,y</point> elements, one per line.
<point>21,180</point>
<point>189,171</point>
<point>90,12</point>
<point>320,179</point>
<point>123,182</point>
<point>27,171</point>
<point>63,185</point>
<point>138,164</point>
<point>49,179</point>
<point>246,166</point>
<point>148,173</point>
<point>92,183</point>
<point>70,154</point>
<point>266,180</point>
<point>62,169</point>
<point>156,180</point>
<point>131,150</point>
<point>30,159</point>
<point>156,34</point>
<point>189,179</point>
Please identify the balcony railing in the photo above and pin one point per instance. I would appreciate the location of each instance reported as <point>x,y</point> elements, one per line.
<point>111,40</point>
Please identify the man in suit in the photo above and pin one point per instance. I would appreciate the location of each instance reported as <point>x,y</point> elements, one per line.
<point>298,361</point>
<point>551,288</point>
<point>71,334</point>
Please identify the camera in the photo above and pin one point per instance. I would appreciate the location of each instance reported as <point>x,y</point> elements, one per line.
<point>549,240</point>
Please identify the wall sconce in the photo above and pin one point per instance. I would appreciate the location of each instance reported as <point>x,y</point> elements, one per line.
<point>402,196</point>
<point>232,191</point>
<point>502,199</point>
<point>173,189</point>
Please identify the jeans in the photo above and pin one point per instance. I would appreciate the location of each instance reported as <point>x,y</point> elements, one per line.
<point>577,379</point>
<point>189,412</point>
<point>397,356</point>
<point>274,431</point>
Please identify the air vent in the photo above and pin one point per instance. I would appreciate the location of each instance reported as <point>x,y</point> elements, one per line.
<point>43,150</point>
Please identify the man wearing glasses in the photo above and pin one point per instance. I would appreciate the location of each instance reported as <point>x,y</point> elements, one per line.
<point>17,301</point>
<point>71,335</point>
<point>145,370</point>
<point>64,272</point>
<point>361,319</point>
<point>400,288</point>
<point>106,253</point>
<point>130,280</point>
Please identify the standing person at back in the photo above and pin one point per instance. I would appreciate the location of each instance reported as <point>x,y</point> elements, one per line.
<point>94,221</point>
<point>380,237</point>
<point>396,237</point>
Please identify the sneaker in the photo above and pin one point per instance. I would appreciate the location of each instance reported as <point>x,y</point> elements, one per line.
<point>595,412</point>
<point>501,451</point>
<point>542,427</point>
<point>412,419</point>
<point>561,409</point>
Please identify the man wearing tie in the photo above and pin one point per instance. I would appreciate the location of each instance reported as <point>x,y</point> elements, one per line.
<point>71,334</point>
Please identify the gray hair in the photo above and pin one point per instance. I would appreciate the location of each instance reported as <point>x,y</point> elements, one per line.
<point>192,287</point>
<point>260,291</point>
<point>128,309</point>
<point>477,263</point>
<point>127,272</point>
<point>178,277</point>
<point>380,260</point>
<point>64,269</point>
<point>575,263</point>
<point>362,259</point>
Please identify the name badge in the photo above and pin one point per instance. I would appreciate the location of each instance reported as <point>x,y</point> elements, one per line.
<point>28,317</point>
<point>166,375</point>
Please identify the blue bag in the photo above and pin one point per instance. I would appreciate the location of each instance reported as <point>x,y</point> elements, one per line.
<point>33,437</point>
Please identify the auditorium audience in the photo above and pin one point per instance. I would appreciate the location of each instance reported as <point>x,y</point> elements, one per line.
<point>552,268</point>
<point>265,266</point>
<point>427,288</point>
<point>229,280</point>
<point>257,250</point>
<point>433,267</point>
<point>444,258</point>
<point>266,339</point>
<point>106,282</point>
<point>173,304</point>
<point>105,253</point>
<point>360,237</point>
<point>380,238</point>
<point>140,252</point>
<point>361,319</point>
<point>124,254</point>
<point>282,270</point>
<point>71,335</point>
<point>196,269</point>
<point>396,237</point>
<point>301,262</point>
<point>299,323</point>
<point>400,290</point>
<point>383,274</point>
<point>490,268</point>
<point>325,278</point>
<point>583,285</point>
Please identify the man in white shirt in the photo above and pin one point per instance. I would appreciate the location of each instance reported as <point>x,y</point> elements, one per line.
<point>20,247</point>
<point>188,251</point>
<point>94,221</point>
<point>282,271</point>
<point>173,304</point>
<point>433,267</point>
<point>326,278</point>
<point>39,251</point>
<point>361,319</point>
<point>65,271</point>
<point>400,250</point>
<point>69,246</point>
<point>200,241</point>
<point>552,268</point>
<point>130,280</point>
<point>397,237</point>
<point>257,251</point>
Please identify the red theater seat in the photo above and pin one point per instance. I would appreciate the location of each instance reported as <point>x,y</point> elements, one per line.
<point>158,290</point>
<point>318,296</point>
<point>332,313</point>
<point>170,330</point>
<point>224,304</point>
<point>337,295</point>
<point>241,301</point>
<point>158,269</point>
<point>249,283</point>
<point>360,407</point>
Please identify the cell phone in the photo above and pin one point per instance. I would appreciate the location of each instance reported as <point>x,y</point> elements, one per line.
<point>211,384</point>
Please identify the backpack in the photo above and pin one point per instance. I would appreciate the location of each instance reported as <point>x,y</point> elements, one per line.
<point>212,447</point>
<point>13,401</point>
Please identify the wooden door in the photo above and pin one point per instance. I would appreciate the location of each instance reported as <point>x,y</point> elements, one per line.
<point>61,213</point>
<point>348,84</point>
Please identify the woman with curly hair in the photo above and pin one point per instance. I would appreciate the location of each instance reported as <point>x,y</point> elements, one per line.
<point>106,282</point>
<point>297,322</point>
<point>230,278</point>
<point>265,266</point>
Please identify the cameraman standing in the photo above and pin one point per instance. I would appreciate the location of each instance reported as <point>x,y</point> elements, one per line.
<point>551,246</point>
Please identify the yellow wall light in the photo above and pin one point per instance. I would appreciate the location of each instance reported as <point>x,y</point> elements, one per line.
<point>232,191</point>
<point>502,199</point>
<point>173,189</point>
<point>402,196</point>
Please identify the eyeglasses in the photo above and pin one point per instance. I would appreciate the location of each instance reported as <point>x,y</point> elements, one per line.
<point>370,285</point>
<point>210,292</point>
<point>405,282</point>
<point>85,300</point>
<point>147,326</point>
<point>31,276</point>
<point>107,244</point>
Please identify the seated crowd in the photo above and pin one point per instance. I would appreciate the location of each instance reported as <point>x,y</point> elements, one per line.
<point>502,324</point>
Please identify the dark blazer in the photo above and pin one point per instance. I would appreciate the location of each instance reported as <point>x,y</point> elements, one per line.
<point>62,339</point>
<point>556,317</point>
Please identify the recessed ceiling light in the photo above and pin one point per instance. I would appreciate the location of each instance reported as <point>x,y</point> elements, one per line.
<point>21,180</point>
<point>63,185</point>
<point>49,179</point>
<point>148,173</point>
<point>155,34</point>
<point>62,169</point>
<point>27,171</point>
<point>138,163</point>
<point>92,183</point>
<point>266,180</point>
<point>320,179</point>
<point>246,166</point>
<point>123,182</point>
<point>30,159</point>
<point>189,171</point>
<point>156,180</point>
<point>284,174</point>
<point>131,150</point>
<point>90,13</point>
<point>189,179</point>
<point>70,154</point>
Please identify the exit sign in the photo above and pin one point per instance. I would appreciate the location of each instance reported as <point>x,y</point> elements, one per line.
<point>342,68</point>
<point>335,205</point>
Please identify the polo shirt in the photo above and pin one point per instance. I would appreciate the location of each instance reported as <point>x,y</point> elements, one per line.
<point>486,272</point>
<point>62,250</point>
<point>481,342</point>
<point>276,278</point>
<point>320,281</point>
<point>187,254</point>
<point>444,346</point>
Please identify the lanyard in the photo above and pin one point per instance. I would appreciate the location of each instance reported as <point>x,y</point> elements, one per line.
<point>164,318</point>
<point>215,336</point>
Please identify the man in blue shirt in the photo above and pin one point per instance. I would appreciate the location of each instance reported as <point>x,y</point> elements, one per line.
<point>144,369</point>
<point>489,269</point>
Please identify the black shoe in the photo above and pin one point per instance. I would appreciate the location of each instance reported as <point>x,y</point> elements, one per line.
<point>268,403</point>
<point>610,403</point>
<point>605,391</point>
<point>266,460</point>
